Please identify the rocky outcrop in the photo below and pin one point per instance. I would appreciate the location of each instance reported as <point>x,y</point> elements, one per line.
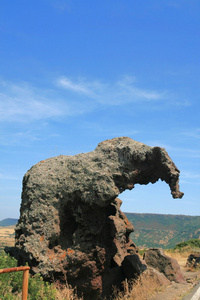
<point>193,260</point>
<point>71,226</point>
<point>164,264</point>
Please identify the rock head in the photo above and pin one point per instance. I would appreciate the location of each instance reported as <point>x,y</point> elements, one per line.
<point>71,226</point>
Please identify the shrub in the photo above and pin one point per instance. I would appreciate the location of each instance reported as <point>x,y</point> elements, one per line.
<point>11,283</point>
<point>141,252</point>
<point>193,243</point>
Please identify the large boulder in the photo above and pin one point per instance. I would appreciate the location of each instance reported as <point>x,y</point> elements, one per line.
<point>71,226</point>
<point>159,278</point>
<point>157,259</point>
<point>132,266</point>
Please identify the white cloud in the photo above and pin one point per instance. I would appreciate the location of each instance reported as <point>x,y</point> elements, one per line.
<point>127,86</point>
<point>186,152</point>
<point>4,176</point>
<point>157,143</point>
<point>23,102</point>
<point>180,151</point>
<point>62,5</point>
<point>79,87</point>
<point>116,93</point>
<point>190,177</point>
<point>192,133</point>
<point>19,137</point>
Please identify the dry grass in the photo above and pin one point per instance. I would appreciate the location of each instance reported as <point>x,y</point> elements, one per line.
<point>6,231</point>
<point>141,289</point>
<point>66,292</point>
<point>181,256</point>
<point>7,237</point>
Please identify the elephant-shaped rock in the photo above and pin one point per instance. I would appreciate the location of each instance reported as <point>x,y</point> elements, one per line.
<point>71,226</point>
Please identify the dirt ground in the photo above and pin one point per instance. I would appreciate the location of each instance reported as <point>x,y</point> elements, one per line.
<point>176,291</point>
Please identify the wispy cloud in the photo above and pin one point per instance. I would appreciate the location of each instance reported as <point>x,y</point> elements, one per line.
<point>190,177</point>
<point>79,87</point>
<point>116,93</point>
<point>19,137</point>
<point>4,176</point>
<point>61,5</point>
<point>174,4</point>
<point>23,102</point>
<point>192,133</point>
<point>109,132</point>
<point>185,152</point>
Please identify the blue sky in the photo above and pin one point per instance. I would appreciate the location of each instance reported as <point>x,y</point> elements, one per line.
<point>74,73</point>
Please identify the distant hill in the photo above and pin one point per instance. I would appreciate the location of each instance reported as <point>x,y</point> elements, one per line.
<point>8,222</point>
<point>155,230</point>
<point>164,231</point>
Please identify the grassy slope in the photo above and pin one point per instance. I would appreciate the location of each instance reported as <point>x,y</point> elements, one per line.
<point>156,230</point>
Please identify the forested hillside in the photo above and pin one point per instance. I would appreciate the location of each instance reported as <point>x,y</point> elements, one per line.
<point>157,230</point>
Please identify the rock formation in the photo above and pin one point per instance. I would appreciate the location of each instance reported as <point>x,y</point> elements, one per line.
<point>164,264</point>
<point>71,226</point>
<point>193,260</point>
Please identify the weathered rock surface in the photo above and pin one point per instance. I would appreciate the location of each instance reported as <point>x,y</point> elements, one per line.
<point>71,226</point>
<point>159,278</point>
<point>132,266</point>
<point>193,260</point>
<point>157,259</point>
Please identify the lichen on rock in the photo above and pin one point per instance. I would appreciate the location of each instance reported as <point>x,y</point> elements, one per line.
<point>71,226</point>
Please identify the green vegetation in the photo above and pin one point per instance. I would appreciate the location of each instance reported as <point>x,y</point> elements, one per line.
<point>11,283</point>
<point>164,231</point>
<point>192,243</point>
